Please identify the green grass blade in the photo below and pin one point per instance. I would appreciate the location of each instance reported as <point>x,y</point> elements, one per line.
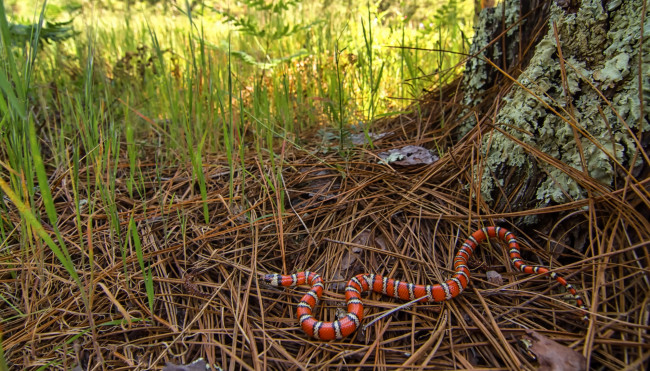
<point>146,272</point>
<point>43,184</point>
<point>31,219</point>
<point>15,93</point>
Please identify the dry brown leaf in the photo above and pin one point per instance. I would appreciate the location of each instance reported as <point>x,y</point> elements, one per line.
<point>494,277</point>
<point>553,356</point>
<point>340,281</point>
<point>348,260</point>
<point>349,257</point>
<point>362,238</point>
<point>380,242</point>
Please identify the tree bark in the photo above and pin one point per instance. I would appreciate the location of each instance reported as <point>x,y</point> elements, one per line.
<point>575,121</point>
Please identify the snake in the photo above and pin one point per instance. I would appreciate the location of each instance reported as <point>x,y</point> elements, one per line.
<point>447,290</point>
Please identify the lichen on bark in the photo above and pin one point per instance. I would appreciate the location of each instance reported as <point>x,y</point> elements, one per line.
<point>479,74</point>
<point>600,97</point>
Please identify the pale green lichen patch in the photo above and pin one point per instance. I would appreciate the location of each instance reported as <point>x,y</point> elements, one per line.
<point>476,77</point>
<point>614,70</point>
<point>541,114</point>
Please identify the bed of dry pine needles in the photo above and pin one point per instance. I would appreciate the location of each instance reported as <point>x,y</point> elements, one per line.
<point>339,217</point>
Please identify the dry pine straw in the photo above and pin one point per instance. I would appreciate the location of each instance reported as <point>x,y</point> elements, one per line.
<point>403,223</point>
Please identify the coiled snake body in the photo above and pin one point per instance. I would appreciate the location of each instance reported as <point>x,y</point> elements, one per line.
<point>402,290</point>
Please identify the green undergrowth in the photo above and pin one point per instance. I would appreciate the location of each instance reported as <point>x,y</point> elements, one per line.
<point>292,65</point>
<point>93,91</point>
<point>182,81</point>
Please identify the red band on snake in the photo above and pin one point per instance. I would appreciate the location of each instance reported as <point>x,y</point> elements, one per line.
<point>402,290</point>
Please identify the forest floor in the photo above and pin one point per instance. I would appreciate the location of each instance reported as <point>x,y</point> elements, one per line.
<point>142,204</point>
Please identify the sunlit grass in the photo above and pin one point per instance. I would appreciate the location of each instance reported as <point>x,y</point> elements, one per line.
<point>368,42</point>
<point>196,81</point>
<point>177,85</point>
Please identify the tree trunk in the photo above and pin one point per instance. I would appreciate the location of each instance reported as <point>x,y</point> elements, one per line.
<point>574,124</point>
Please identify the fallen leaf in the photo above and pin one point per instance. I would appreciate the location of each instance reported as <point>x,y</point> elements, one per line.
<point>408,156</point>
<point>380,242</point>
<point>553,356</point>
<point>494,277</point>
<point>341,282</point>
<point>362,238</point>
<point>347,260</point>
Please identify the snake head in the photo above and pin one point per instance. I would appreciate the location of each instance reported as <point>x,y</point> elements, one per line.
<point>271,279</point>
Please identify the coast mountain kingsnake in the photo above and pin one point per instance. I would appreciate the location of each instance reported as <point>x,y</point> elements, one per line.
<point>402,290</point>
